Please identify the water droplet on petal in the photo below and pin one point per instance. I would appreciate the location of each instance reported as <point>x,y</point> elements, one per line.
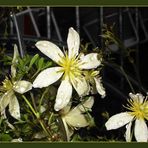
<point>44,44</point>
<point>22,89</point>
<point>120,123</point>
<point>59,102</point>
<point>78,124</point>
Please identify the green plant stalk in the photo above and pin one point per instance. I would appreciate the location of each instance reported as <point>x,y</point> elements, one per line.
<point>33,101</point>
<point>50,118</point>
<point>37,115</point>
<point>35,73</point>
<point>127,79</point>
<point>28,103</point>
<point>41,99</point>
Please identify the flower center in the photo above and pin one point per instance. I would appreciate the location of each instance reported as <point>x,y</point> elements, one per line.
<point>70,66</point>
<point>138,108</point>
<point>89,75</point>
<point>7,84</point>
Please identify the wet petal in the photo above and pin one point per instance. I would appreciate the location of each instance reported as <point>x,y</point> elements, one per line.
<point>66,109</point>
<point>90,61</point>
<point>128,135</point>
<point>118,120</point>
<point>17,140</point>
<point>14,107</point>
<point>63,95</point>
<point>5,100</point>
<point>99,86</point>
<point>87,105</point>
<point>14,61</point>
<point>139,97</point>
<point>50,50</point>
<point>73,42</point>
<point>76,116</point>
<point>47,77</point>
<point>141,131</point>
<point>22,86</point>
<point>80,86</point>
<point>68,129</point>
<point>76,119</point>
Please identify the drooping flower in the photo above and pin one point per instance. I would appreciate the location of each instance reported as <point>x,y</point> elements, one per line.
<point>70,69</point>
<point>95,81</point>
<point>138,113</point>
<point>76,117</point>
<point>10,86</point>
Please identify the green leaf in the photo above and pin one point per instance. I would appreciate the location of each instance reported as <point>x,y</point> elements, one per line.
<point>5,137</point>
<point>48,64</point>
<point>40,63</point>
<point>33,60</point>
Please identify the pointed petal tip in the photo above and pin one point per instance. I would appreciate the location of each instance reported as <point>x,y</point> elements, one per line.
<point>56,108</point>
<point>71,28</point>
<point>35,85</point>
<point>107,126</point>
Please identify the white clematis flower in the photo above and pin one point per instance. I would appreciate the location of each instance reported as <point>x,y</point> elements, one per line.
<point>95,80</point>
<point>138,112</point>
<point>9,88</point>
<point>70,69</point>
<point>76,117</point>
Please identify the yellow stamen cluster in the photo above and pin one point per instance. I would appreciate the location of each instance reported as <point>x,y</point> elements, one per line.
<point>90,74</point>
<point>70,66</point>
<point>138,108</point>
<point>7,84</point>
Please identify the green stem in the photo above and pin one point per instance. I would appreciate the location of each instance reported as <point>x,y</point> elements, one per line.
<point>42,97</point>
<point>127,79</point>
<point>33,101</point>
<point>35,74</point>
<point>37,115</point>
<point>49,120</point>
<point>42,125</point>
<point>28,103</point>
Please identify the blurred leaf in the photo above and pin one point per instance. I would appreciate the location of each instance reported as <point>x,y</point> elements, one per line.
<point>48,64</point>
<point>40,63</point>
<point>33,60</point>
<point>5,137</point>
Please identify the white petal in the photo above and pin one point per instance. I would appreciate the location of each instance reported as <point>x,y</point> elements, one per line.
<point>73,42</point>
<point>139,97</point>
<point>128,135</point>
<point>100,87</point>
<point>141,131</point>
<point>90,61</point>
<point>76,119</point>
<point>80,86</point>
<point>85,106</point>
<point>14,107</point>
<point>66,109</point>
<point>22,86</point>
<point>50,50</point>
<point>118,120</point>
<point>68,129</point>
<point>5,100</point>
<point>47,77</point>
<point>63,95</point>
<point>14,61</point>
<point>17,140</point>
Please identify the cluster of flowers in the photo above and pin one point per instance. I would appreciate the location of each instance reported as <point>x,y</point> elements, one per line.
<point>78,71</point>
